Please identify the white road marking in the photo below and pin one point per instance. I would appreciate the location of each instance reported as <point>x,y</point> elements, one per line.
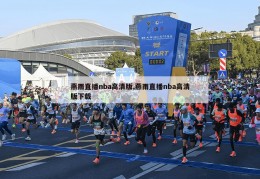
<point>66,155</point>
<point>25,166</point>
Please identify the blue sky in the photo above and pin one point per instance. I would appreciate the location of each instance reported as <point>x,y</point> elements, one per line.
<point>217,15</point>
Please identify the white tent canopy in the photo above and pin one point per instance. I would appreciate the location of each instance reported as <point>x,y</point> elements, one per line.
<point>125,66</point>
<point>96,69</point>
<point>44,77</point>
<point>26,76</point>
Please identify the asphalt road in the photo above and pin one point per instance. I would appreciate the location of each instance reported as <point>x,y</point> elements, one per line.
<point>57,156</point>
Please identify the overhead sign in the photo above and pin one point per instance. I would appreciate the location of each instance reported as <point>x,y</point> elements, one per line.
<point>222,53</point>
<point>10,76</point>
<point>222,75</point>
<point>214,50</point>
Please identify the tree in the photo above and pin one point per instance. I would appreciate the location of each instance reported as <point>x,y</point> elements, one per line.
<point>118,59</point>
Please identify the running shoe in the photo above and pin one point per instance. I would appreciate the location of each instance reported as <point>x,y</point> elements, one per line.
<point>140,142</point>
<point>96,161</point>
<point>47,125</point>
<point>42,124</point>
<point>184,160</point>
<point>3,137</point>
<point>28,138</point>
<point>174,141</point>
<point>244,134</point>
<point>13,136</point>
<point>145,151</point>
<point>23,130</point>
<point>13,126</point>
<point>154,145</point>
<point>198,136</point>
<point>76,141</point>
<point>127,143</point>
<point>53,131</point>
<point>201,145</point>
<point>233,154</point>
<point>118,139</point>
<point>218,149</point>
<point>159,137</point>
<point>113,139</point>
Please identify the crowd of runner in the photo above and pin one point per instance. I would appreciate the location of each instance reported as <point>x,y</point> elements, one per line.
<point>231,105</point>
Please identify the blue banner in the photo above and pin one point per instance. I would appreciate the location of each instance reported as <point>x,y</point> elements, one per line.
<point>10,76</point>
<point>164,43</point>
<point>126,75</point>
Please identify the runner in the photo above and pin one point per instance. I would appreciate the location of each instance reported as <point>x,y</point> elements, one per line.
<point>177,122</point>
<point>200,124</point>
<point>242,108</point>
<point>49,110</point>
<point>76,116</point>
<point>219,116</point>
<point>4,121</point>
<point>235,117</point>
<point>98,120</point>
<point>255,122</point>
<point>189,131</point>
<point>161,114</point>
<point>117,113</point>
<point>127,117</point>
<point>14,112</point>
<point>153,123</point>
<point>142,123</point>
<point>22,113</point>
<point>30,118</point>
<point>112,121</point>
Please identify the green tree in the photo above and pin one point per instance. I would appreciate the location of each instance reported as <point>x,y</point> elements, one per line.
<point>118,59</point>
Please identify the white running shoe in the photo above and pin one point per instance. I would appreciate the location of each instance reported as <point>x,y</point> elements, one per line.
<point>28,138</point>
<point>48,125</point>
<point>145,151</point>
<point>3,137</point>
<point>13,136</point>
<point>42,124</point>
<point>77,141</point>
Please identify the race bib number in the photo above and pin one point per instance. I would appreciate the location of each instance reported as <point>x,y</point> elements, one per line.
<point>186,124</point>
<point>233,119</point>
<point>99,131</point>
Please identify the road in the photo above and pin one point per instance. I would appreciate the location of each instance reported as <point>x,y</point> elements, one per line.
<point>57,156</point>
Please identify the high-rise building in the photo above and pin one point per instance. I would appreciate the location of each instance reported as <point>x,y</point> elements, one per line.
<point>256,21</point>
<point>137,18</point>
<point>254,28</point>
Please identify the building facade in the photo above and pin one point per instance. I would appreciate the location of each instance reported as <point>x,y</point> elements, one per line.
<point>253,29</point>
<point>137,18</point>
<point>81,40</point>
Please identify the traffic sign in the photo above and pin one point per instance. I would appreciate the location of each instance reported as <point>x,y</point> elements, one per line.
<point>91,74</point>
<point>222,53</point>
<point>222,74</point>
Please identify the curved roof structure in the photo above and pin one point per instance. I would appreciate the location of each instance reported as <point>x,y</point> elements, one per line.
<point>56,33</point>
<point>45,57</point>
